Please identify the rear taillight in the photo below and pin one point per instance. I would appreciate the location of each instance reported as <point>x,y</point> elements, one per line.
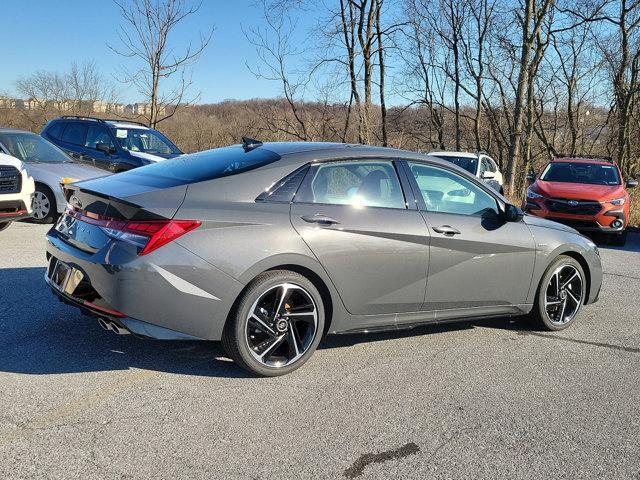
<point>146,234</point>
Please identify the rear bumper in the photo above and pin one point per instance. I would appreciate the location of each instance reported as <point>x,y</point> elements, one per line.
<point>169,294</point>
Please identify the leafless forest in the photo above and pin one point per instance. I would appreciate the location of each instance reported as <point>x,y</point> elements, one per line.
<point>523,80</point>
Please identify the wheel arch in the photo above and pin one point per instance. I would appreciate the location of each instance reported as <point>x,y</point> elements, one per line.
<point>305,266</point>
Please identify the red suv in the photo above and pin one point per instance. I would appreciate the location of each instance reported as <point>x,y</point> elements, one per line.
<point>587,194</point>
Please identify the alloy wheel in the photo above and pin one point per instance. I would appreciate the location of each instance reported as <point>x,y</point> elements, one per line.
<point>281,325</point>
<point>563,295</point>
<point>41,205</point>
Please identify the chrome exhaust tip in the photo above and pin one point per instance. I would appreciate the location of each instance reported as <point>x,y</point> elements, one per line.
<point>104,324</point>
<point>118,330</point>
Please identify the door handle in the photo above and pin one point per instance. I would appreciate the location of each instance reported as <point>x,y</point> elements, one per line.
<point>320,219</point>
<point>446,230</point>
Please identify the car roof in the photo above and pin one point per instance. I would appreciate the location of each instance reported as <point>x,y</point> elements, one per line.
<point>15,130</point>
<point>125,124</point>
<point>454,154</point>
<point>595,161</point>
<point>328,150</point>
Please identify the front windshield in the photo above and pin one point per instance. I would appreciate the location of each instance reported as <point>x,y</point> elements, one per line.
<point>578,172</point>
<point>30,148</point>
<point>470,164</point>
<point>146,141</point>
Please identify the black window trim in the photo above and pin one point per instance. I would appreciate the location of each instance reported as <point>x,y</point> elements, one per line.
<point>422,206</point>
<point>264,196</point>
<point>394,163</point>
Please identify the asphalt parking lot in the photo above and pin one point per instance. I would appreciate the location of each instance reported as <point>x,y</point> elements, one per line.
<point>487,399</point>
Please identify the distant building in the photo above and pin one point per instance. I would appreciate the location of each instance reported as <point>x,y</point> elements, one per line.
<point>142,109</point>
<point>7,102</point>
<point>107,107</point>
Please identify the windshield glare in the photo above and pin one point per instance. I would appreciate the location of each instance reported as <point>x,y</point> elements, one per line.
<point>467,163</point>
<point>588,173</point>
<point>146,141</point>
<point>30,147</point>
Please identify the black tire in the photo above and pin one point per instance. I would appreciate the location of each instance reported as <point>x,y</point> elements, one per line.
<point>619,239</point>
<point>540,316</point>
<point>240,331</point>
<point>4,225</point>
<point>45,200</point>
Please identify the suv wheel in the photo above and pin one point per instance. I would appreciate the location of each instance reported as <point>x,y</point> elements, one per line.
<point>44,205</point>
<point>277,325</point>
<point>560,295</point>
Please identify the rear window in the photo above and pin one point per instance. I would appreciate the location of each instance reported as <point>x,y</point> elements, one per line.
<point>201,166</point>
<point>470,164</point>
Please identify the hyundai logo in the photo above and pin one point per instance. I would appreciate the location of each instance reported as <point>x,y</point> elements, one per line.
<point>573,203</point>
<point>75,201</point>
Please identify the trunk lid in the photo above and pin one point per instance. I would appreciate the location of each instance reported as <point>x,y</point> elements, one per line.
<point>114,198</point>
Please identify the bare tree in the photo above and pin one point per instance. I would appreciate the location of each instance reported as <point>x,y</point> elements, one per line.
<point>145,36</point>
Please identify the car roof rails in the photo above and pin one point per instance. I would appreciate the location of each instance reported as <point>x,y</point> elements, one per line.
<point>586,157</point>
<point>82,117</point>
<point>249,143</point>
<point>124,120</point>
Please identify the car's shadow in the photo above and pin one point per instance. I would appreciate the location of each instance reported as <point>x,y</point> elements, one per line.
<point>632,245</point>
<point>41,336</point>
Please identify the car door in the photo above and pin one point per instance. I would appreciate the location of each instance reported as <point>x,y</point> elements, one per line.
<point>479,263</point>
<point>353,216</point>
<point>73,140</point>
<point>99,135</point>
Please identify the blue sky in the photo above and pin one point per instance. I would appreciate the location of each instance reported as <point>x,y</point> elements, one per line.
<point>51,34</point>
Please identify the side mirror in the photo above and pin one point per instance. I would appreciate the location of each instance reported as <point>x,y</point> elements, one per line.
<point>632,183</point>
<point>531,177</point>
<point>512,213</point>
<point>488,175</point>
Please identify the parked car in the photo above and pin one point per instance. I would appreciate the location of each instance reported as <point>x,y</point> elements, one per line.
<point>49,166</point>
<point>588,194</point>
<point>16,190</point>
<point>114,145</point>
<point>479,164</point>
<point>267,247</point>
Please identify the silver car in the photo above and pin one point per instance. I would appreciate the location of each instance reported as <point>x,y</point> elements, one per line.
<point>49,166</point>
<point>269,247</point>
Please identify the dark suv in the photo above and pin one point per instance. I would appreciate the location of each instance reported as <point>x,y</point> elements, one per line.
<point>114,145</point>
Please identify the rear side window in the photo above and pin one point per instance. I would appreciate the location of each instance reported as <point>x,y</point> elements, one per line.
<point>283,190</point>
<point>55,130</point>
<point>201,166</point>
<point>75,133</point>
<point>367,183</point>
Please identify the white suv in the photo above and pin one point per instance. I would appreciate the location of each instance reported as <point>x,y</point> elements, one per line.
<point>16,190</point>
<point>479,164</point>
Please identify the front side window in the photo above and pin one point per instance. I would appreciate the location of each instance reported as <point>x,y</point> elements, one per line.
<point>577,172</point>
<point>447,192</point>
<point>365,183</point>
<point>29,147</point>
<point>75,133</point>
<point>145,140</point>
<point>98,134</point>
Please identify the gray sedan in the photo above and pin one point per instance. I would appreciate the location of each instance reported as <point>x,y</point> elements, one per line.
<point>49,166</point>
<point>267,247</point>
